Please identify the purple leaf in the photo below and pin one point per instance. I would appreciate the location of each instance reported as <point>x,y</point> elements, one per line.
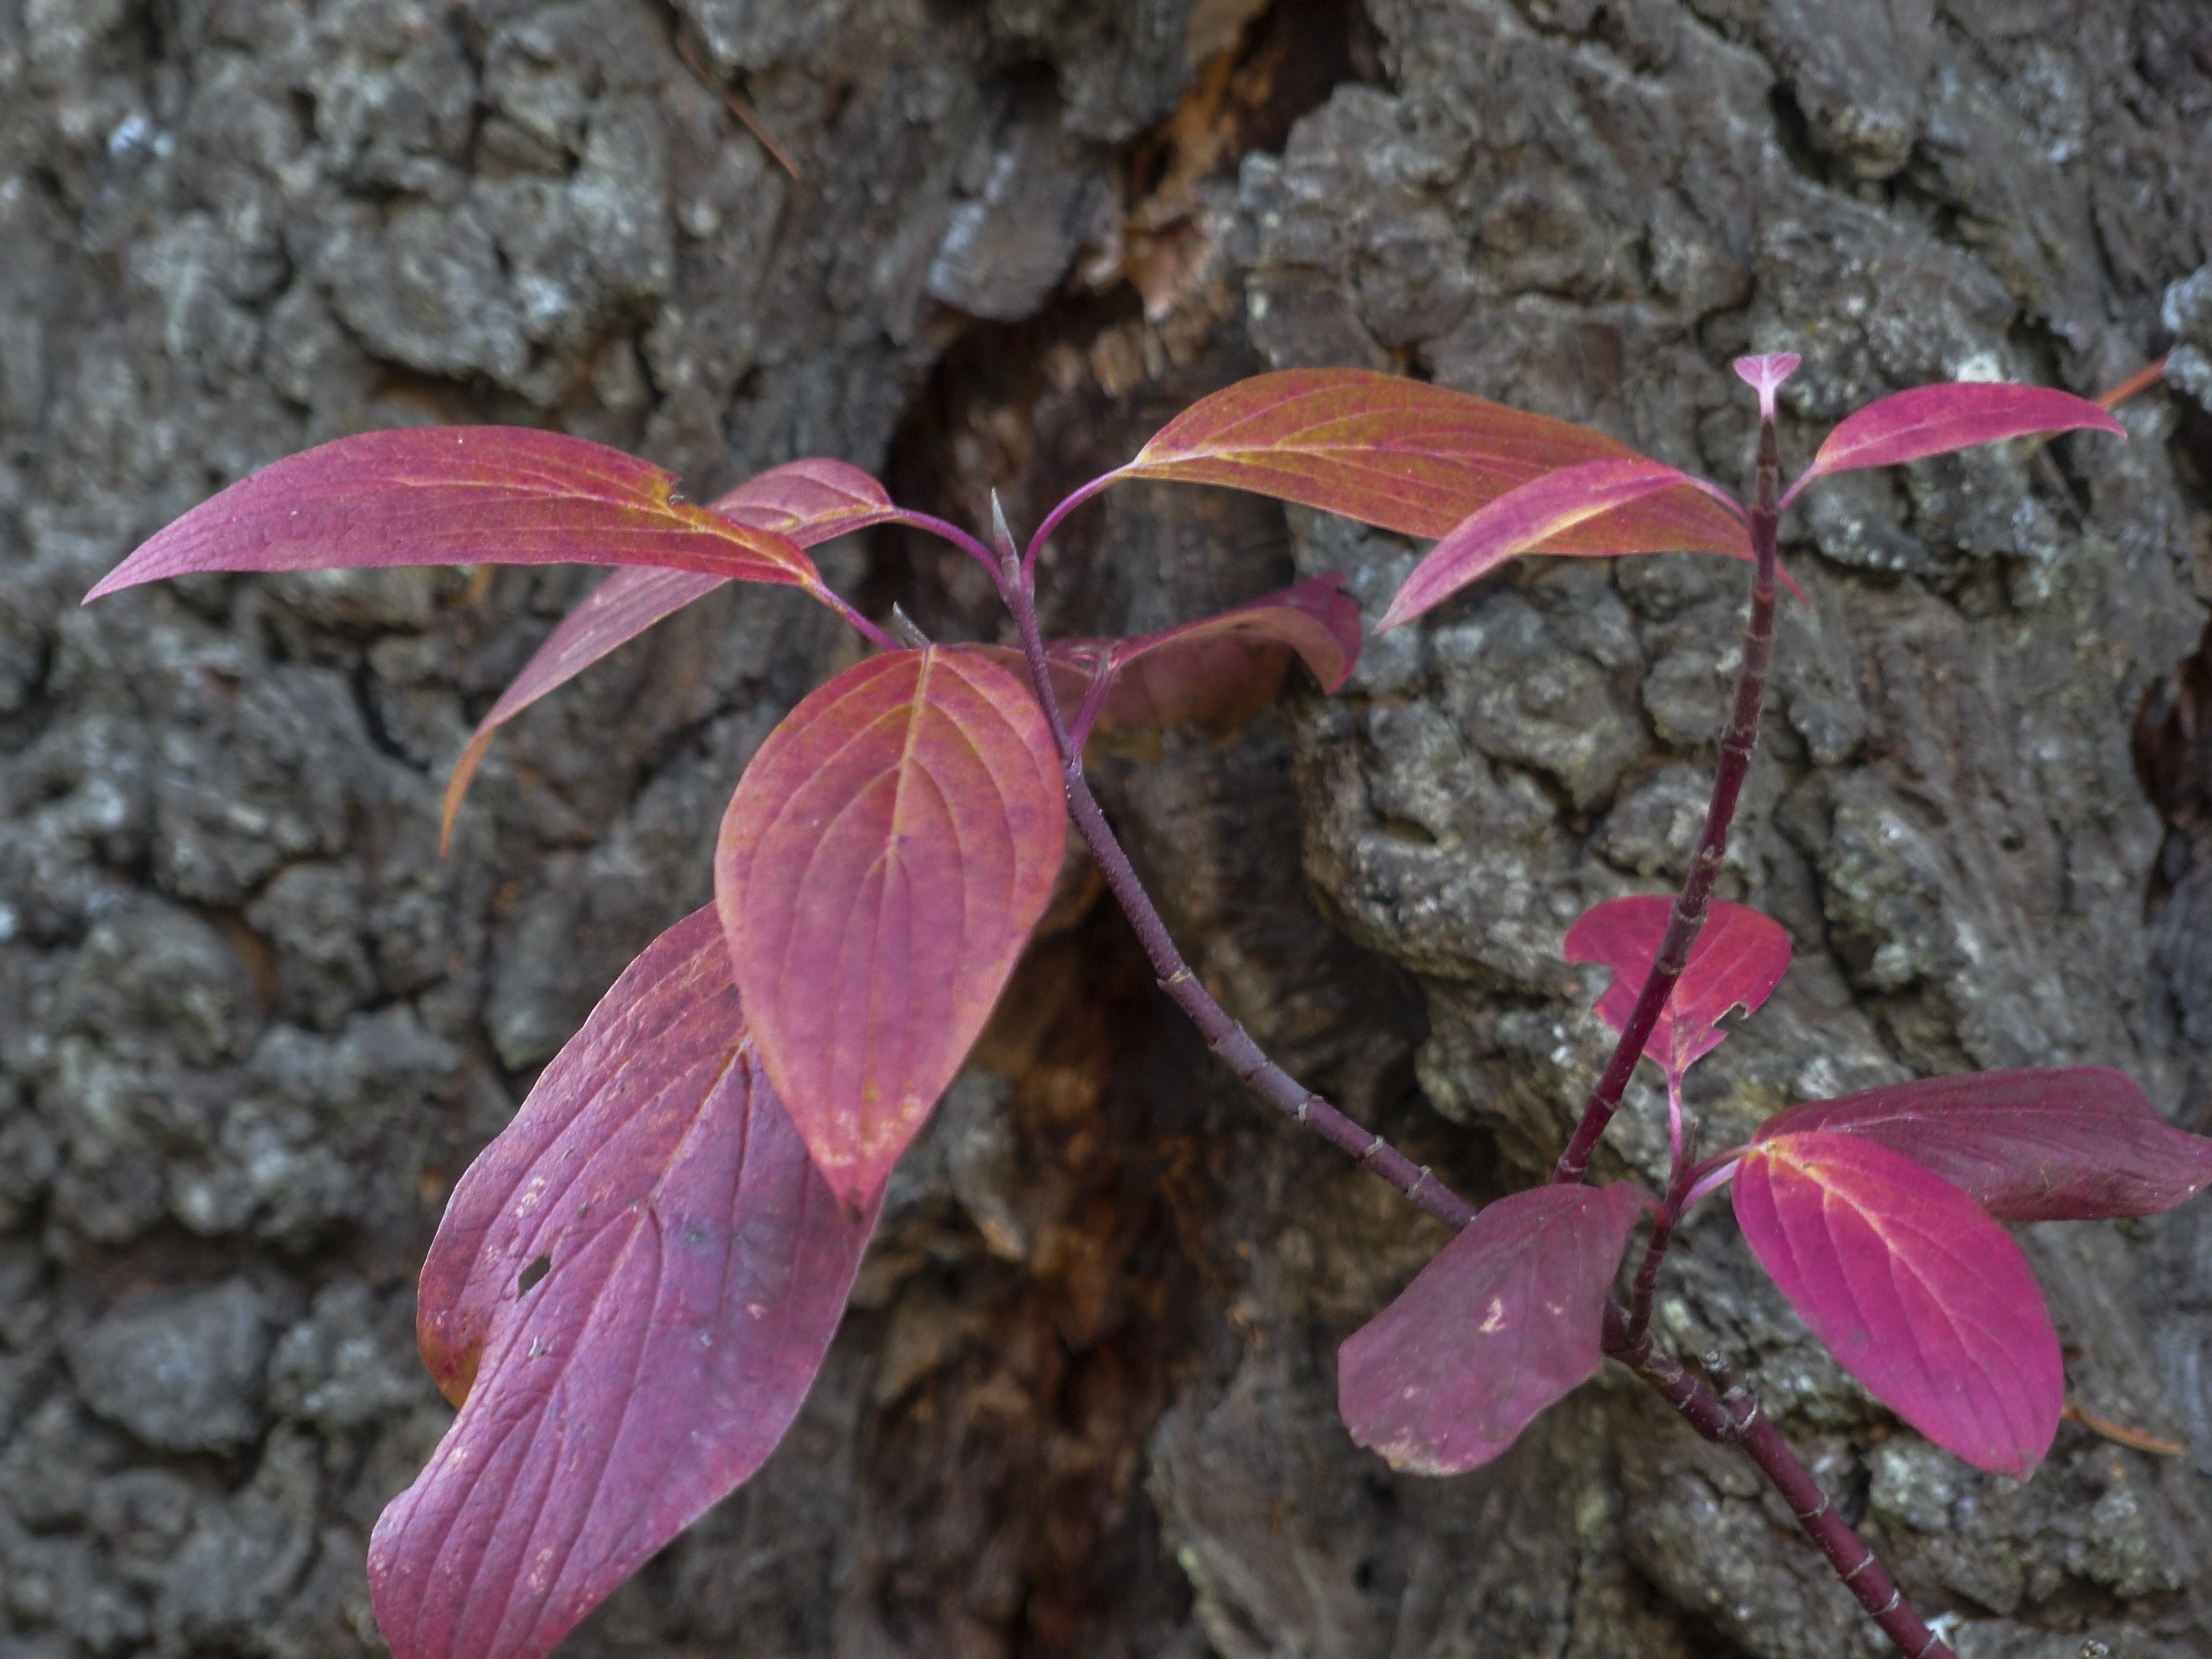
<point>1932,420</point>
<point>1504,1322</point>
<point>2071,1144</point>
<point>458,495</point>
<point>1594,508</point>
<point>631,1291</point>
<point>808,501</point>
<point>1738,960</point>
<point>1916,1293</point>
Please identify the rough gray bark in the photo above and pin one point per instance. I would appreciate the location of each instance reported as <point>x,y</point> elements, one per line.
<point>1084,1403</point>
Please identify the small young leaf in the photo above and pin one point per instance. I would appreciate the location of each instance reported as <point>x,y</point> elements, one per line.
<point>1606,507</point>
<point>458,495</point>
<point>1738,960</point>
<point>878,871</point>
<point>1216,674</point>
<point>809,501</point>
<point>1916,1293</point>
<point>1931,420</point>
<point>1400,453</point>
<point>1504,1322</point>
<point>2069,1143</point>
<point>629,1296</point>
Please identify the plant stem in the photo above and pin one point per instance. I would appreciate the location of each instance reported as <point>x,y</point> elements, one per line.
<point>1708,1415</point>
<point>1736,745</point>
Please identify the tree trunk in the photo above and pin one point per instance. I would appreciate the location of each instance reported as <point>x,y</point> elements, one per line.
<point>1085,1403</point>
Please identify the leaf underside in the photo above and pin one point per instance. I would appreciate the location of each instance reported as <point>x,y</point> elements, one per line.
<point>1913,1288</point>
<point>1505,1321</point>
<point>878,871</point>
<point>2066,1143</point>
<point>690,1266</point>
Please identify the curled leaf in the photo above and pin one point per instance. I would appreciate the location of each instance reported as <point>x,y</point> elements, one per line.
<point>2066,1144</point>
<point>1505,1321</point>
<point>1738,958</point>
<point>1614,506</point>
<point>808,501</point>
<point>458,495</point>
<point>879,870</point>
<point>629,1296</point>
<point>1216,674</point>
<point>1913,1288</point>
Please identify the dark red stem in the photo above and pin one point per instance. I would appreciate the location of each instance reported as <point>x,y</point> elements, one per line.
<point>1697,1406</point>
<point>1737,743</point>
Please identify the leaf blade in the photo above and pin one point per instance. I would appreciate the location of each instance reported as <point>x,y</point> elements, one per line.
<point>2075,1143</point>
<point>1933,420</point>
<point>807,501</point>
<point>1912,1287</point>
<point>611,1406</point>
<point>879,870</point>
<point>1403,454</point>
<point>1594,509</point>
<point>1506,1320</point>
<point>457,496</point>
<point>1738,958</point>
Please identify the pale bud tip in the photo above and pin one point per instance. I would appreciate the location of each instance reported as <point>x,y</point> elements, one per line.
<point>1764,374</point>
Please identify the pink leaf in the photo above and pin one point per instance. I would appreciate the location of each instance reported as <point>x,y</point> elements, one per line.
<point>631,1291</point>
<point>1738,960</point>
<point>878,871</point>
<point>1916,1293</point>
<point>1931,420</point>
<point>1505,1321</point>
<point>2071,1144</point>
<point>808,501</point>
<point>1764,374</point>
<point>1615,506</point>
<point>458,495</point>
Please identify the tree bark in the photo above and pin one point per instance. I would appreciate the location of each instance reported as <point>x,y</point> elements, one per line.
<point>1085,1401</point>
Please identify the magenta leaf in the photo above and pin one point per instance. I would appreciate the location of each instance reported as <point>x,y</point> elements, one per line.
<point>630,1293</point>
<point>1594,508</point>
<point>1738,960</point>
<point>2069,1143</point>
<point>808,501</point>
<point>878,871</point>
<point>458,495</point>
<point>1932,420</point>
<point>1913,1288</point>
<point>1504,1322</point>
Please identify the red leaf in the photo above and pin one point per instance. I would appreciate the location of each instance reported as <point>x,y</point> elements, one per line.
<point>1595,507</point>
<point>1912,1287</point>
<point>1217,674</point>
<point>1931,420</point>
<point>1738,960</point>
<point>458,495</point>
<point>808,501</point>
<point>1504,1322</point>
<point>698,1268</point>
<point>2070,1144</point>
<point>879,870</point>
<point>1400,453</point>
